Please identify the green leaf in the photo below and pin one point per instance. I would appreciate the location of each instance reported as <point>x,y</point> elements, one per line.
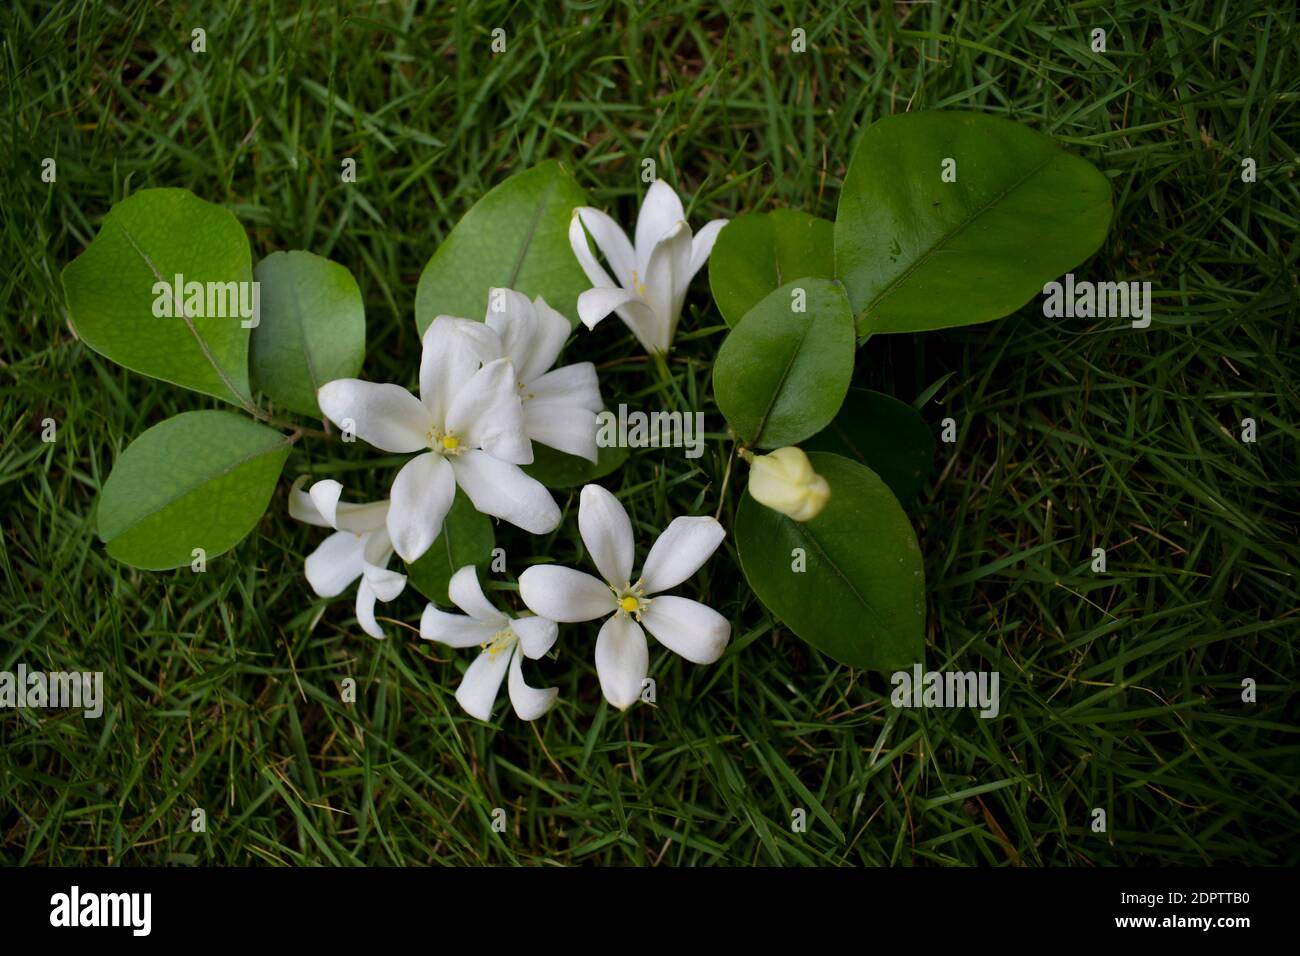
<point>199,480</point>
<point>917,253</point>
<point>515,237</point>
<point>861,597</point>
<point>150,238</point>
<point>759,252</point>
<point>466,538</point>
<point>556,469</point>
<point>781,375</point>
<point>312,328</point>
<point>888,436</point>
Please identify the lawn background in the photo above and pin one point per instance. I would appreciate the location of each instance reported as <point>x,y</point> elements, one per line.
<point>1120,691</point>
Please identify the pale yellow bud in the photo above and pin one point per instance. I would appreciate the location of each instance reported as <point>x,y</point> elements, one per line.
<point>785,482</point>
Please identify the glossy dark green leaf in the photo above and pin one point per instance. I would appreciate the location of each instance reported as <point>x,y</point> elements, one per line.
<point>861,595</point>
<point>466,538</point>
<point>917,253</point>
<point>312,328</point>
<point>781,374</point>
<point>515,237</point>
<point>759,252</point>
<point>888,436</point>
<point>115,292</point>
<point>199,480</point>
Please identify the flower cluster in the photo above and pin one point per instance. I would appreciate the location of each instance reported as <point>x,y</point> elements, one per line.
<point>487,391</point>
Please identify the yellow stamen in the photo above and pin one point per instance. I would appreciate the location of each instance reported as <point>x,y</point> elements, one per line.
<point>638,285</point>
<point>450,442</point>
<point>629,604</point>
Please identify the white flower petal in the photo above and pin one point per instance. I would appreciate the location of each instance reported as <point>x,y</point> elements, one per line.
<point>335,564</point>
<point>366,610</point>
<point>612,241</point>
<point>565,595</point>
<point>622,660</point>
<point>536,634</point>
<point>570,385</point>
<point>325,496</point>
<point>701,247</point>
<point>486,414</point>
<point>361,518</point>
<point>532,333</point>
<point>301,507</point>
<point>529,702</point>
<point>596,273</point>
<point>689,628</point>
<point>664,291</point>
<point>454,630</point>
<point>478,688</point>
<point>660,211</point>
<point>500,489</point>
<point>595,304</point>
<point>679,552</point>
<point>607,532</point>
<point>386,416</point>
<point>569,428</point>
<point>452,351</point>
<point>386,584</point>
<point>421,497</point>
<point>466,593</point>
<point>551,332</point>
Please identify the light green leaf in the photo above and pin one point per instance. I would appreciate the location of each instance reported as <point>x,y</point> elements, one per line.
<point>466,538</point>
<point>199,480</point>
<point>861,596</point>
<point>556,469</point>
<point>917,253</point>
<point>759,252</point>
<point>515,237</point>
<point>149,238</point>
<point>312,328</point>
<point>781,374</point>
<point>888,436</point>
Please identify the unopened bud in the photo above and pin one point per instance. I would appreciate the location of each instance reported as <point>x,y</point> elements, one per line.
<point>785,482</point>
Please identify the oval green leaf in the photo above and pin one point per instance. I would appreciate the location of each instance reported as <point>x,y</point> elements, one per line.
<point>466,538</point>
<point>312,328</point>
<point>515,237</point>
<point>145,242</point>
<point>918,253</point>
<point>556,469</point>
<point>888,436</point>
<point>199,480</point>
<point>781,374</point>
<point>759,252</point>
<point>861,596</point>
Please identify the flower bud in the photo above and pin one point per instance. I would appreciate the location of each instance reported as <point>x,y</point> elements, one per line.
<point>785,482</point>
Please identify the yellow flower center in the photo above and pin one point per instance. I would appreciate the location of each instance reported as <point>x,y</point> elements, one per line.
<point>450,442</point>
<point>638,285</point>
<point>629,604</point>
<point>630,601</point>
<point>501,642</point>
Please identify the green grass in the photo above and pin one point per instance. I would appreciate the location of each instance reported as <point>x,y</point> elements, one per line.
<point>1120,691</point>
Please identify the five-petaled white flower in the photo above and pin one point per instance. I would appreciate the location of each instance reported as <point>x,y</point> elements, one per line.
<point>469,425</point>
<point>358,548</point>
<point>691,629</point>
<point>652,275</point>
<point>504,642</point>
<point>560,405</point>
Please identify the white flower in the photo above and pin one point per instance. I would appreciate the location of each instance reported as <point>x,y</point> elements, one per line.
<point>504,640</point>
<point>468,423</point>
<point>785,481</point>
<point>358,548</point>
<point>691,629</point>
<point>652,276</point>
<point>560,405</point>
